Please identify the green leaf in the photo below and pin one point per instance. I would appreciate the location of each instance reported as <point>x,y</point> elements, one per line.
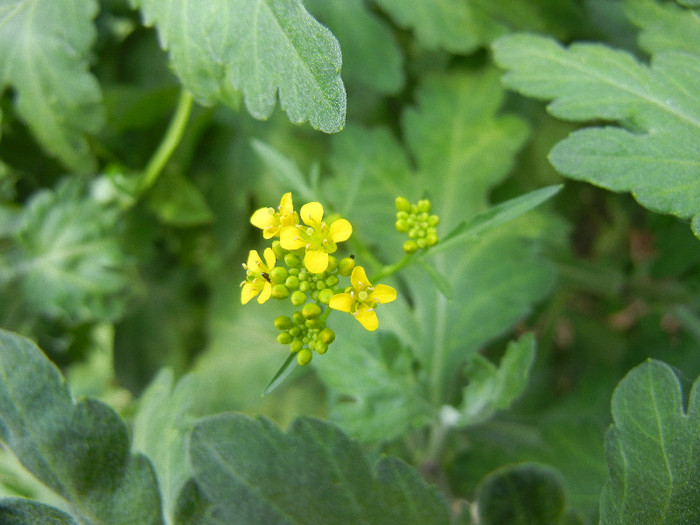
<point>17,511</point>
<point>251,472</point>
<point>285,170</point>
<point>66,258</point>
<point>525,494</point>
<point>261,48</point>
<point>665,26</point>
<point>371,56</point>
<point>654,473</point>
<point>178,202</point>
<point>490,388</point>
<point>160,429</point>
<point>655,157</point>
<point>79,449</point>
<point>46,47</point>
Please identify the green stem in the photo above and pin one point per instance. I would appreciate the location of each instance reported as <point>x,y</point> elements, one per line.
<point>391,269</point>
<point>172,138</point>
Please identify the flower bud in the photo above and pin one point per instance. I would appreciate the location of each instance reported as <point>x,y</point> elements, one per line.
<point>297,318</point>
<point>326,335</point>
<point>311,310</point>
<point>402,225</point>
<point>278,250</point>
<point>433,220</point>
<point>431,239</point>
<point>295,331</point>
<point>325,295</point>
<point>421,243</point>
<point>292,260</point>
<point>320,347</point>
<point>332,264</point>
<point>424,206</point>
<point>284,338</point>
<point>295,346</point>
<point>320,285</point>
<point>402,204</point>
<point>283,322</point>
<point>410,246</point>
<point>278,275</point>
<point>292,282</point>
<point>280,291</point>
<point>331,280</point>
<point>298,298</point>
<point>304,286</point>
<point>313,324</point>
<point>345,266</point>
<point>304,356</point>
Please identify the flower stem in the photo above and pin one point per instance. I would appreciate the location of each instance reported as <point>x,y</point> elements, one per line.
<point>172,137</point>
<point>391,269</point>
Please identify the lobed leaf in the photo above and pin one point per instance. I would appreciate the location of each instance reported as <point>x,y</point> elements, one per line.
<point>664,26</point>
<point>251,472</point>
<point>18,511</point>
<point>259,48</point>
<point>652,451</point>
<point>78,449</point>
<point>654,153</point>
<point>45,60</point>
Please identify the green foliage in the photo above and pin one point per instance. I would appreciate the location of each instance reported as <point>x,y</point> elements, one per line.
<point>654,472</point>
<point>259,49</point>
<point>45,60</point>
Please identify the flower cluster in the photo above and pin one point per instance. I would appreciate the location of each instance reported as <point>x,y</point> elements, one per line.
<point>299,266</point>
<point>416,220</point>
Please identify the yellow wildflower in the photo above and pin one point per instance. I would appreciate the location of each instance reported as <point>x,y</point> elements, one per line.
<point>361,299</point>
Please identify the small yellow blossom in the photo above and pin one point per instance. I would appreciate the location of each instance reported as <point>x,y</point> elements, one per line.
<point>258,276</point>
<point>361,299</point>
<point>271,222</point>
<point>317,237</point>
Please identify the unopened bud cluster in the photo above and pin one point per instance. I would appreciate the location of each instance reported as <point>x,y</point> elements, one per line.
<point>417,221</point>
<point>305,331</point>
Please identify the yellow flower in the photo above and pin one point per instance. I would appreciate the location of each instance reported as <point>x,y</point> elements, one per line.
<point>271,222</point>
<point>258,276</point>
<point>317,237</point>
<point>361,299</point>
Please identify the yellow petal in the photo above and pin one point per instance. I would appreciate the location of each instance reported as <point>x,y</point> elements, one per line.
<point>255,263</point>
<point>286,205</point>
<point>290,238</point>
<point>316,261</point>
<point>270,259</point>
<point>367,318</point>
<point>342,302</point>
<point>383,293</point>
<point>312,213</point>
<point>341,230</point>
<point>248,292</point>
<point>358,278</point>
<point>263,218</point>
<point>265,293</point>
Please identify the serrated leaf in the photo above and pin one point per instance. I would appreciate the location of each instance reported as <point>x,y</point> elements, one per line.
<point>79,449</point>
<point>654,473</point>
<point>160,429</point>
<point>251,472</point>
<point>67,259</point>
<point>45,60</point>
<point>260,48</point>
<point>665,26</point>
<point>371,56</point>
<point>494,388</point>
<point>525,494</point>
<point>18,511</point>
<point>656,157</point>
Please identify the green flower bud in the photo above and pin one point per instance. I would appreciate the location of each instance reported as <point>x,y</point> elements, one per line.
<point>314,295</point>
<point>280,291</point>
<point>401,216</point>
<point>304,286</point>
<point>421,243</point>
<point>283,322</point>
<point>345,266</point>
<point>327,336</point>
<point>402,225</point>
<point>409,247</point>
<point>284,338</point>
<point>292,282</point>
<point>294,271</point>
<point>278,275</point>
<point>297,318</point>
<point>298,298</point>
<point>325,295</point>
<point>402,204</point>
<point>331,280</point>
<point>296,345</point>
<point>311,310</point>
<point>313,324</point>
<point>413,233</point>
<point>332,264</point>
<point>320,285</point>
<point>431,239</point>
<point>320,347</point>
<point>278,250</point>
<point>292,260</point>
<point>433,220</point>
<point>295,331</point>
<point>304,357</point>
<point>424,206</point>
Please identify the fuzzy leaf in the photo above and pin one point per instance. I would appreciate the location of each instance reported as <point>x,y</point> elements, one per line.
<point>78,449</point>
<point>67,260</point>
<point>18,511</point>
<point>491,388</point>
<point>654,473</point>
<point>45,60</point>
<point>260,48</point>
<point>525,494</point>
<point>664,26</point>
<point>251,472</point>
<point>655,154</point>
